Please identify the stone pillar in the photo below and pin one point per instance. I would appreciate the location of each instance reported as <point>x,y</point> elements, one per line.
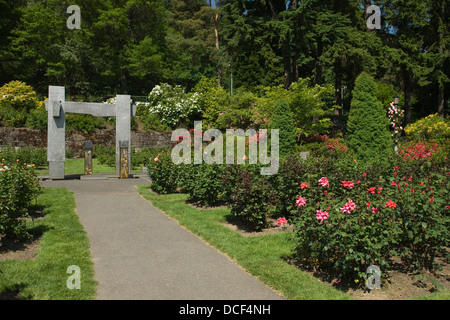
<point>88,148</point>
<point>123,128</point>
<point>56,146</point>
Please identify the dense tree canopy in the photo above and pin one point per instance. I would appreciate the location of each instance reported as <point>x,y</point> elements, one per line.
<point>129,46</point>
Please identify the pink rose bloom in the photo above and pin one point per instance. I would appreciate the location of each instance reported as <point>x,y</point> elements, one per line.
<point>390,204</point>
<point>348,184</point>
<point>300,201</point>
<point>322,215</point>
<point>348,207</point>
<point>281,221</point>
<point>324,182</point>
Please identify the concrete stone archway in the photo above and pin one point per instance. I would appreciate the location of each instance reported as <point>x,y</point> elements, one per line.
<point>57,107</point>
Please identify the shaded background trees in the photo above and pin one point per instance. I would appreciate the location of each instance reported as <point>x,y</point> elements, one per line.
<point>129,46</point>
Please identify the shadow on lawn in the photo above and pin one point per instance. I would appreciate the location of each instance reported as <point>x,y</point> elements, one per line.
<point>13,292</point>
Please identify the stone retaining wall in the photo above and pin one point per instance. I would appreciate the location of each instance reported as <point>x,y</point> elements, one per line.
<point>21,137</point>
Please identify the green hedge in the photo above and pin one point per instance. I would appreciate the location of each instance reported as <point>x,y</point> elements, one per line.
<point>29,155</point>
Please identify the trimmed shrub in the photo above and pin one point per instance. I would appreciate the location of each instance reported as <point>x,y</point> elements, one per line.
<point>282,120</point>
<point>37,119</point>
<point>368,132</point>
<point>105,155</point>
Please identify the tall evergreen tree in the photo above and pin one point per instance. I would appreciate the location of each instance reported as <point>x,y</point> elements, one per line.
<point>9,19</point>
<point>368,126</point>
<point>136,32</point>
<point>191,40</point>
<point>437,44</point>
<point>404,35</point>
<point>283,121</point>
<point>257,40</point>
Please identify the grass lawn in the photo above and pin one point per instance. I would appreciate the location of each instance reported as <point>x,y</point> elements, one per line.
<point>63,242</point>
<point>263,256</point>
<point>76,166</point>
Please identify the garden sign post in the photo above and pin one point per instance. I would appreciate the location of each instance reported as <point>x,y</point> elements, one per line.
<point>57,107</point>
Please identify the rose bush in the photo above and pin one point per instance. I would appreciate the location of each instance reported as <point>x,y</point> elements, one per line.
<point>349,222</point>
<point>163,173</point>
<point>252,200</point>
<point>19,185</point>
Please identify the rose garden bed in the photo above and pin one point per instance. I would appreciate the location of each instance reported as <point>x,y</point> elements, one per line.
<point>345,215</point>
<point>399,282</point>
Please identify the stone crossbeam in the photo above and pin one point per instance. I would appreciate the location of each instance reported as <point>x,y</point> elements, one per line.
<point>92,108</point>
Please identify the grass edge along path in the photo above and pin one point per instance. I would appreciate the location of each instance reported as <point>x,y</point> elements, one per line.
<point>76,166</point>
<point>63,243</point>
<point>262,256</point>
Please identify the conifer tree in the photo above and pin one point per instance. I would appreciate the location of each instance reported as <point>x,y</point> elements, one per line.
<point>368,126</point>
<point>282,120</point>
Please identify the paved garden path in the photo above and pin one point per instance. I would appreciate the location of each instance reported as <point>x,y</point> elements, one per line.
<point>141,253</point>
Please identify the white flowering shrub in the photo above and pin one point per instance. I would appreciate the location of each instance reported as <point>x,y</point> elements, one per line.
<point>111,100</point>
<point>173,105</point>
